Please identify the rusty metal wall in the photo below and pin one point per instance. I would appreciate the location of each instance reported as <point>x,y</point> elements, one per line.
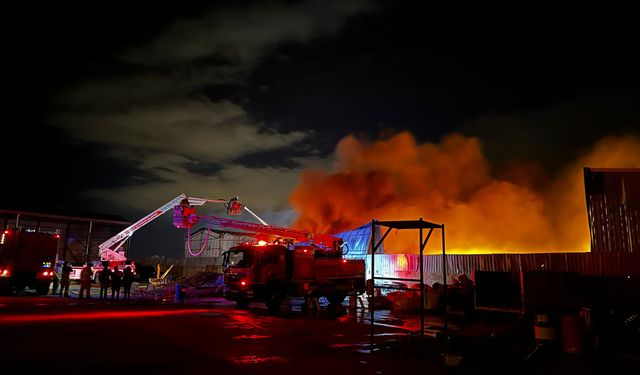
<point>596,264</point>
<point>613,208</point>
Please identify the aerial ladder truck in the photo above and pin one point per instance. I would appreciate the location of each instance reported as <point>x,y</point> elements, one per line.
<point>284,262</point>
<point>112,252</point>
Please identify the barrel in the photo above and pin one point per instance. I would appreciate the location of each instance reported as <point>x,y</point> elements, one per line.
<point>572,334</point>
<point>545,331</point>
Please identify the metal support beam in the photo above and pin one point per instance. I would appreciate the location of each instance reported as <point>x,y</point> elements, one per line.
<point>426,240</point>
<point>372,302</point>
<point>66,242</point>
<point>422,279</point>
<point>444,279</point>
<point>86,253</point>
<point>381,240</point>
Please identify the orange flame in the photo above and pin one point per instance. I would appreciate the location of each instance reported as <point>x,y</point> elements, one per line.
<point>451,183</point>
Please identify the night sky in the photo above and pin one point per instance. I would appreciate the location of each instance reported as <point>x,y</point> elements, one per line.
<point>119,108</point>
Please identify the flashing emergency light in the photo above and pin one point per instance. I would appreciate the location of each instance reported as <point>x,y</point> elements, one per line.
<point>4,273</point>
<point>243,283</point>
<point>262,243</point>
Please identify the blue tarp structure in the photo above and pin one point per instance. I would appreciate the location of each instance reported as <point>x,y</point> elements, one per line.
<point>358,241</point>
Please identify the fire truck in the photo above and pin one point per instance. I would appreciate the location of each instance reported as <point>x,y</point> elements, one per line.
<point>26,260</point>
<point>284,262</point>
<point>281,262</point>
<point>271,272</point>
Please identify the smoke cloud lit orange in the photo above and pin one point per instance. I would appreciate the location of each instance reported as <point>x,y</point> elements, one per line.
<point>452,183</point>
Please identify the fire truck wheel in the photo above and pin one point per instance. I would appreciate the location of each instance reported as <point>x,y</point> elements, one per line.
<point>19,287</point>
<point>6,289</point>
<point>42,288</point>
<point>273,301</point>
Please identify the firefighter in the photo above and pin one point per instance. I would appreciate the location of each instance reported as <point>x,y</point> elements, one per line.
<point>116,281</point>
<point>57,268</point>
<point>189,218</point>
<point>184,204</point>
<point>85,281</point>
<point>127,280</point>
<point>65,279</point>
<point>104,278</point>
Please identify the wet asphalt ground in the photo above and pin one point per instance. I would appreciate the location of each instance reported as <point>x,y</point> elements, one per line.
<point>208,334</point>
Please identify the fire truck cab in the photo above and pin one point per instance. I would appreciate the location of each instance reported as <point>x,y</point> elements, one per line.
<point>26,260</point>
<point>269,273</point>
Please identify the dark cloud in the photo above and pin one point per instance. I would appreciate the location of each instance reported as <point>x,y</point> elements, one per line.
<point>148,100</point>
<point>283,158</point>
<point>234,93</point>
<point>174,106</point>
<point>202,168</point>
<point>553,135</point>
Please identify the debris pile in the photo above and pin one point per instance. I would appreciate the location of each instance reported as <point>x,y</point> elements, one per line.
<point>204,284</point>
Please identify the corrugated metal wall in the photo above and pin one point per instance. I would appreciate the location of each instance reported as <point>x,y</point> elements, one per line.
<point>597,264</point>
<point>613,207</point>
<point>217,242</point>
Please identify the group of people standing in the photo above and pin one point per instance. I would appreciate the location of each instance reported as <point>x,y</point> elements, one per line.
<point>114,279</point>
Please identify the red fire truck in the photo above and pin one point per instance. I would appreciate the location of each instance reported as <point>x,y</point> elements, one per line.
<point>286,262</point>
<point>282,262</point>
<point>271,272</point>
<point>27,260</point>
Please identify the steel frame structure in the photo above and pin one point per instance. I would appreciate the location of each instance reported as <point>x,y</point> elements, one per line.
<point>421,225</point>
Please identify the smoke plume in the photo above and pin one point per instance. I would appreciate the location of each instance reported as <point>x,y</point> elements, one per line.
<point>510,208</point>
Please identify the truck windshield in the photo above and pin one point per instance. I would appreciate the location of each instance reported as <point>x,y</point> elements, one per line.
<point>237,258</point>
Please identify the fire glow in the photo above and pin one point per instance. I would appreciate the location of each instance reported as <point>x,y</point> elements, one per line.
<point>511,208</point>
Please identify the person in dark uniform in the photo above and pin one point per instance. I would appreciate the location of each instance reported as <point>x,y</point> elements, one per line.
<point>57,268</point>
<point>85,281</point>
<point>65,279</point>
<point>105,278</point>
<point>116,282</point>
<point>127,280</point>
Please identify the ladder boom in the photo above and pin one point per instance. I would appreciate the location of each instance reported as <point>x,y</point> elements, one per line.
<point>108,250</point>
<point>295,234</point>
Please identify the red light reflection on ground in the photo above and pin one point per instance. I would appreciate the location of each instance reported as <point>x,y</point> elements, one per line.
<point>37,318</point>
<point>343,345</point>
<point>251,337</point>
<point>254,359</point>
<point>245,321</point>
